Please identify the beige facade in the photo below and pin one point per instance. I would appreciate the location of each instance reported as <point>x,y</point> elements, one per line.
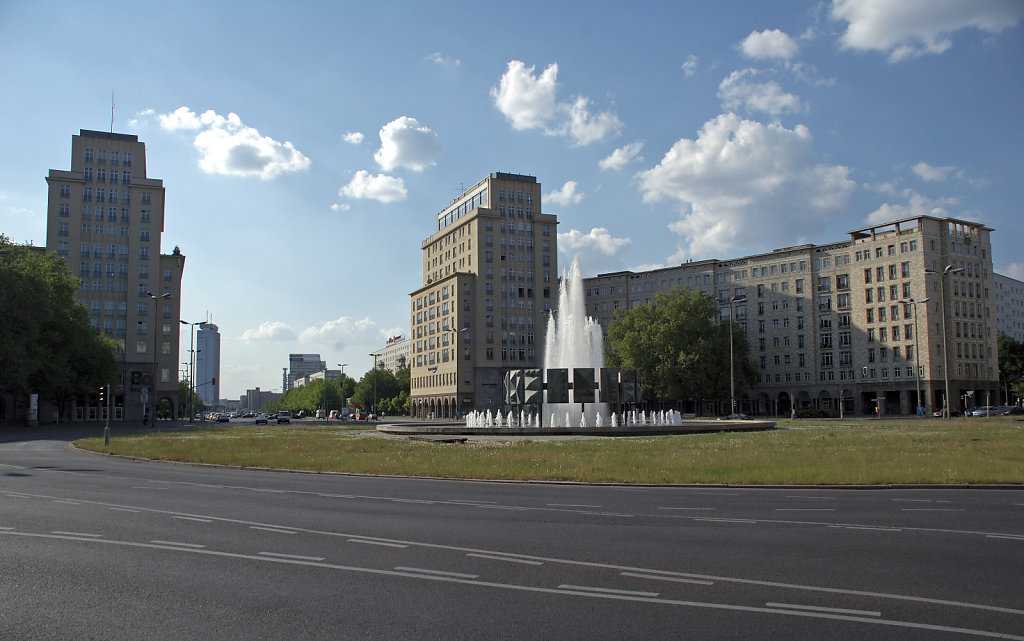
<point>490,275</point>
<point>831,325</point>
<point>1009,307</point>
<point>394,356</point>
<point>105,218</point>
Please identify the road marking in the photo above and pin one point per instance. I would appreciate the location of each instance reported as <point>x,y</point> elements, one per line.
<point>383,543</point>
<point>816,608</point>
<point>424,502</point>
<point>503,507</point>
<point>865,527</point>
<point>931,509</point>
<point>148,487</point>
<point>85,534</point>
<point>709,509</point>
<point>191,518</point>
<point>458,575</point>
<point>467,502</point>
<point>719,493</point>
<point>818,498</point>
<point>123,509</point>
<point>197,546</point>
<point>911,500</point>
<point>6,528</point>
<point>1011,537</point>
<point>67,502</point>
<point>805,509</point>
<point>587,588</point>
<point>297,557</point>
<point>18,496</point>
<point>272,529</point>
<point>671,579</point>
<point>570,505</point>
<point>608,514</point>
<point>710,520</point>
<point>495,557</point>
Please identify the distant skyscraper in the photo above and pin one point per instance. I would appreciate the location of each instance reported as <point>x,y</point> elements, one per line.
<point>208,363</point>
<point>105,218</point>
<point>301,365</point>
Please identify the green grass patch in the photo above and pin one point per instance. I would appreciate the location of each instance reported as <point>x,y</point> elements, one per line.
<point>961,451</point>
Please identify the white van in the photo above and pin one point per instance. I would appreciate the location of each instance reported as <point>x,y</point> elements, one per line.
<point>284,416</point>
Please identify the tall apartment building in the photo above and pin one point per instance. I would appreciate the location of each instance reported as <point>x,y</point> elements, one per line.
<point>846,323</point>
<point>394,355</point>
<point>490,275</point>
<point>208,364</point>
<point>1009,295</point>
<point>302,365</point>
<point>105,218</point>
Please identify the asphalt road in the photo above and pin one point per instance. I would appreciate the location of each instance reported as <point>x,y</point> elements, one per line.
<point>93,547</point>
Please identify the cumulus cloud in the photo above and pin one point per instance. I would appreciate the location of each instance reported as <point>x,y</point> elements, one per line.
<point>622,157</point>
<point>932,174</point>
<point>912,28</point>
<point>440,59</point>
<point>597,250</point>
<point>353,137</point>
<point>909,204</point>
<point>690,66</point>
<point>1013,270</point>
<point>743,185</point>
<point>335,332</point>
<point>566,195</point>
<point>269,331</point>
<point>740,90</point>
<point>404,142</point>
<point>530,101</point>
<point>770,44</point>
<point>382,188</point>
<point>228,147</point>
<point>340,207</point>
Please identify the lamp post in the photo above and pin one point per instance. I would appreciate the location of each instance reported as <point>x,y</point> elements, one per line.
<point>153,391</point>
<point>917,352</point>
<point>341,383</point>
<point>374,409</point>
<point>732,383</point>
<point>191,366</point>
<point>945,352</point>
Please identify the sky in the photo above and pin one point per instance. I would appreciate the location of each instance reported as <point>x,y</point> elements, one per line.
<point>306,148</point>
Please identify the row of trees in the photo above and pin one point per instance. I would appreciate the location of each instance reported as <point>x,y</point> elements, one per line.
<point>389,390</point>
<point>1011,368</point>
<point>47,345</point>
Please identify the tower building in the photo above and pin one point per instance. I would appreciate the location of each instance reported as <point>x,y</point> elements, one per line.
<point>105,218</point>
<point>490,276</point>
<point>208,364</point>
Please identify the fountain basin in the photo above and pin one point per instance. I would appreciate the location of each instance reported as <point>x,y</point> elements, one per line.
<point>686,427</point>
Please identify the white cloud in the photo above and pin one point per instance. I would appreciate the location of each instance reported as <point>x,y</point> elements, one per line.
<point>1013,270</point>
<point>739,90</point>
<point>353,137</point>
<point>744,186</point>
<point>269,331</point>
<point>530,102</point>
<point>565,196</point>
<point>404,142</point>
<point>913,204</point>
<point>622,157</point>
<point>228,147</point>
<point>932,174</point>
<point>340,207</point>
<point>335,332</point>
<point>912,28</point>
<point>597,250</point>
<point>440,59</point>
<point>769,44</point>
<point>690,66</point>
<point>386,189</point>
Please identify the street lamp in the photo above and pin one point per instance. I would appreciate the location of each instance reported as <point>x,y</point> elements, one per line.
<point>145,403</point>
<point>374,355</point>
<point>732,383</point>
<point>945,352</point>
<point>341,383</point>
<point>917,352</point>
<point>191,366</point>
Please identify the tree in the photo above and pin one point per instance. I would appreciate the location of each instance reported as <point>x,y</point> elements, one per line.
<point>1011,366</point>
<point>677,348</point>
<point>47,345</point>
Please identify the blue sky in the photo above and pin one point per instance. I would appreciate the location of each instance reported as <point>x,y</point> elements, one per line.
<point>306,148</point>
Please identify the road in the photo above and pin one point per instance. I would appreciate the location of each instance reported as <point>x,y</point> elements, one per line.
<point>94,547</point>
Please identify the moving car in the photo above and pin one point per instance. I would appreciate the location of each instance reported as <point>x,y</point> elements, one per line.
<point>222,418</point>
<point>284,416</point>
<point>261,418</point>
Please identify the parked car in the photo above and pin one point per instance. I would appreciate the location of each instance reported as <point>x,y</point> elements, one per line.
<point>738,417</point>
<point>939,413</point>
<point>222,418</point>
<point>284,416</point>
<point>1013,409</point>
<point>261,418</point>
<point>985,410</point>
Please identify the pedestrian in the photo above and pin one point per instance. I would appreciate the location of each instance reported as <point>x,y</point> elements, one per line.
<point>793,413</point>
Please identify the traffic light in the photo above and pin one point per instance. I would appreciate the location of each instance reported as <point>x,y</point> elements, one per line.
<point>609,385</point>
<point>533,387</point>
<point>103,395</point>
<point>558,386</point>
<point>582,385</point>
<point>629,388</point>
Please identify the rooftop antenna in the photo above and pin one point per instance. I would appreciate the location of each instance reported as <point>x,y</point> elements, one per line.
<point>111,111</point>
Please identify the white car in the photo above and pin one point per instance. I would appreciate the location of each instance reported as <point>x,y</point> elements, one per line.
<point>284,416</point>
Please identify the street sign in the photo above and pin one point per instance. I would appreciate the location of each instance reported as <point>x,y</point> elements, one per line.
<point>144,395</point>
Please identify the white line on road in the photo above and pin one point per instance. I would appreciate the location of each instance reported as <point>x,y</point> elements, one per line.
<point>67,502</point>
<point>710,520</point>
<point>85,534</point>
<point>192,518</point>
<point>276,530</point>
<point>608,514</point>
<point>587,588</point>
<point>819,498</point>
<point>495,557</point>
<point>197,546</point>
<point>815,608</point>
<point>670,579</point>
<point>708,509</point>
<point>383,543</point>
<point>123,509</point>
<point>805,509</point>
<point>931,509</point>
<point>458,575</point>
<point>503,507</point>
<point>865,527</point>
<point>1011,537</point>
<point>297,557</point>
<point>570,505</point>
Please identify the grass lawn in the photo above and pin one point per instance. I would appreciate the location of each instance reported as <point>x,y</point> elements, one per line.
<point>960,451</point>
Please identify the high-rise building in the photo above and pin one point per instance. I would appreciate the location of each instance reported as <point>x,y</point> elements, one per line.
<point>208,364</point>
<point>863,323</point>
<point>1009,295</point>
<point>490,276</point>
<point>302,365</point>
<point>105,218</point>
<point>394,356</point>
